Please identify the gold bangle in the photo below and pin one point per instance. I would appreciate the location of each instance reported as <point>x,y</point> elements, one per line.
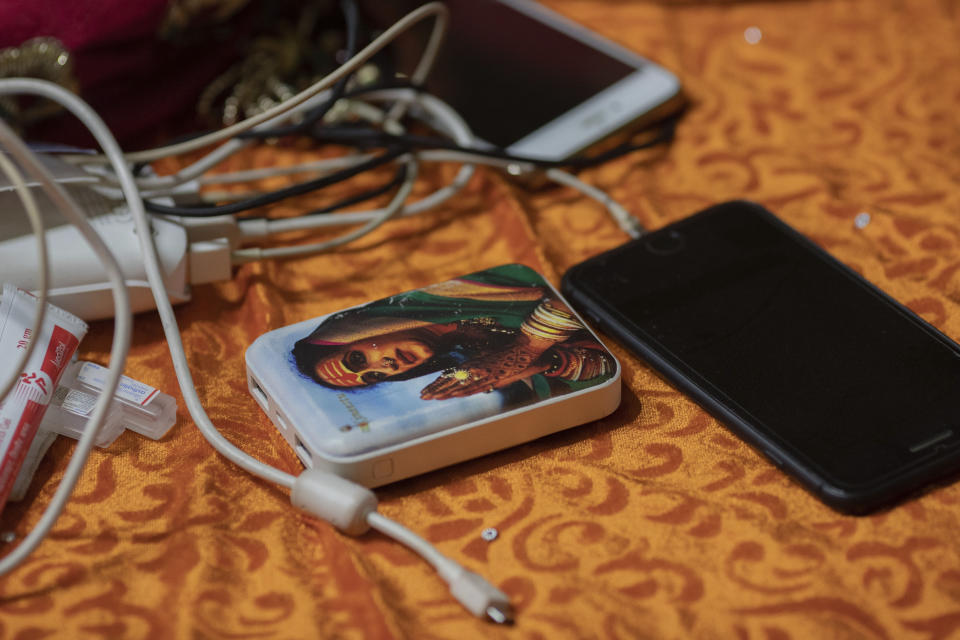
<point>556,318</point>
<point>549,323</point>
<point>533,328</point>
<point>549,328</point>
<point>534,333</point>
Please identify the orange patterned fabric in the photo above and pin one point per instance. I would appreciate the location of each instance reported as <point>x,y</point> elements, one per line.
<point>653,523</point>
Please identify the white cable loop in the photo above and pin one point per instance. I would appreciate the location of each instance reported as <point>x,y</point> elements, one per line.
<point>121,332</point>
<point>108,143</point>
<point>467,587</point>
<point>455,126</point>
<point>215,157</point>
<point>318,93</point>
<point>433,9</point>
<point>630,225</point>
<point>39,231</point>
<point>476,594</point>
<point>241,256</point>
<point>318,166</point>
<point>447,121</point>
<point>396,204</point>
<point>405,536</point>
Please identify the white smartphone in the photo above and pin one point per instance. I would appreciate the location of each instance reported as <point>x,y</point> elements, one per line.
<point>533,82</point>
<point>434,376</point>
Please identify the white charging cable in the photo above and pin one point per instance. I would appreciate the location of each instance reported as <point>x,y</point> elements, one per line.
<point>348,506</point>
<point>444,119</point>
<point>373,219</point>
<point>296,105</point>
<point>452,126</point>
<point>435,10</point>
<point>121,332</point>
<point>448,122</point>
<point>321,167</point>
<point>253,254</point>
<point>395,205</point>
<point>36,223</point>
<point>440,116</point>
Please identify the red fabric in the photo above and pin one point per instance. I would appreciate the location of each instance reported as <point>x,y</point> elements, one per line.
<point>140,83</point>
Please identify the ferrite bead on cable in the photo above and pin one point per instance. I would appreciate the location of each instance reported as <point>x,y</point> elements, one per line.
<point>342,503</point>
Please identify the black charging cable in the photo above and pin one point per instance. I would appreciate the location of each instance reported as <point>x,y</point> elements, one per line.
<point>363,196</point>
<point>367,138</point>
<point>351,15</point>
<point>275,196</point>
<point>396,145</point>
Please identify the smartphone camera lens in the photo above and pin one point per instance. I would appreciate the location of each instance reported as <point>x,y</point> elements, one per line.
<point>665,243</point>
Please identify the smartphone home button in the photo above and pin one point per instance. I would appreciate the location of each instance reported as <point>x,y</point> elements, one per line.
<point>665,243</point>
<point>383,468</point>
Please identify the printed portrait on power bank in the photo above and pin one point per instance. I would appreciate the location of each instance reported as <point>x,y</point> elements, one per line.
<point>428,359</point>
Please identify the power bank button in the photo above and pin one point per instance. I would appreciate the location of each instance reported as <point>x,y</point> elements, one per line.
<point>383,468</point>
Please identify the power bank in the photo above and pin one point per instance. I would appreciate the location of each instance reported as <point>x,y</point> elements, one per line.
<point>434,376</point>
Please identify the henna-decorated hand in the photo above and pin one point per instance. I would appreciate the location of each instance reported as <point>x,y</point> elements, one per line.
<point>488,372</point>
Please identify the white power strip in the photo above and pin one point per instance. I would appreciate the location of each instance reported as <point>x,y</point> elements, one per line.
<point>78,282</point>
<point>191,251</point>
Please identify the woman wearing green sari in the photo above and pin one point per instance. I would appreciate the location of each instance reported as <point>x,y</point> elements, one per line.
<point>484,331</point>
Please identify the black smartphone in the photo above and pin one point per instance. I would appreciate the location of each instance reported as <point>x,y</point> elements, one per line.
<point>837,383</point>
